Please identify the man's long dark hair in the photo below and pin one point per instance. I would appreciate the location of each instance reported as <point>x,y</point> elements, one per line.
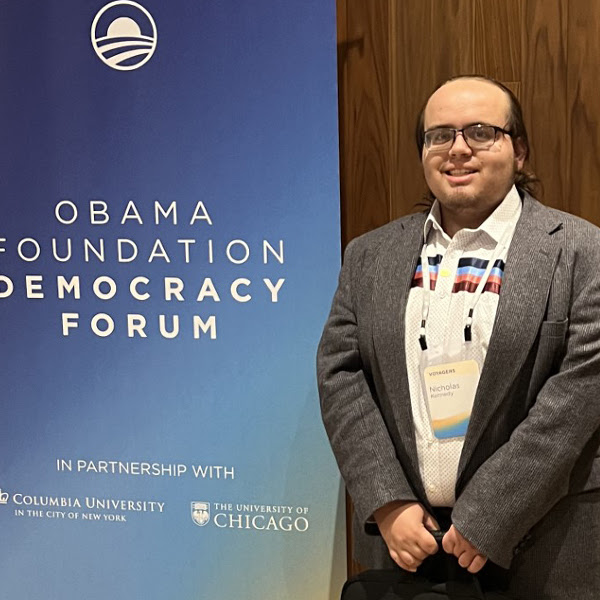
<point>525,180</point>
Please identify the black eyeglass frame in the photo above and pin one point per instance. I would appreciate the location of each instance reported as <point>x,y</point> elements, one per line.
<point>455,132</point>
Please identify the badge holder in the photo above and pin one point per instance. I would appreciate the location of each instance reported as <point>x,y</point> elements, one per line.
<point>449,382</point>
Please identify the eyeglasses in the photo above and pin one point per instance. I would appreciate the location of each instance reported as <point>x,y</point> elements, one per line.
<point>477,136</point>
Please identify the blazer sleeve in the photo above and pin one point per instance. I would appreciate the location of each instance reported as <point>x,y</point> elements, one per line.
<point>519,484</point>
<point>350,408</point>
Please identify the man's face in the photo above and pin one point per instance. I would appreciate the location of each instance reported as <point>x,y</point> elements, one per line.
<point>465,180</point>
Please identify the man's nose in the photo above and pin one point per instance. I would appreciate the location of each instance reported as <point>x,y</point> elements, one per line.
<point>460,146</point>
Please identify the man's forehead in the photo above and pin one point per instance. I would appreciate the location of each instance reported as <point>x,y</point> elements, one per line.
<point>464,101</point>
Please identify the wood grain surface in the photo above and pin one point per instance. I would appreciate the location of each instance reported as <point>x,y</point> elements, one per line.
<point>583,109</point>
<point>364,117</point>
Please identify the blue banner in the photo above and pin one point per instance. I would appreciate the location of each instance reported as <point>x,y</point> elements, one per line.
<point>169,242</point>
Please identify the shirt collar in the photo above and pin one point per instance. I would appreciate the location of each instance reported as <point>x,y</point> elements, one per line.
<point>504,216</point>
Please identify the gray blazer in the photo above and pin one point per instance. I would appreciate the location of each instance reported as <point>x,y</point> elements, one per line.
<point>528,487</point>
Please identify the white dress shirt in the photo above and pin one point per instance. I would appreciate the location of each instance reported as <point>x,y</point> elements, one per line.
<point>455,267</point>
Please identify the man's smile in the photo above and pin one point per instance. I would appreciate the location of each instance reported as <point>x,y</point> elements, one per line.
<point>457,175</point>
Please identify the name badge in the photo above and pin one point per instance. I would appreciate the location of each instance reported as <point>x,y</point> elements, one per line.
<point>450,391</point>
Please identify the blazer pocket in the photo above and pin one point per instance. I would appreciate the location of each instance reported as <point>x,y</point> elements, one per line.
<point>554,329</point>
<point>550,350</point>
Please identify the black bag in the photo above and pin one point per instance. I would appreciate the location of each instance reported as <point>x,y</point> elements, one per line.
<point>440,577</point>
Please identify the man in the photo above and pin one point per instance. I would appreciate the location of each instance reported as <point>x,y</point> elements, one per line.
<point>460,366</point>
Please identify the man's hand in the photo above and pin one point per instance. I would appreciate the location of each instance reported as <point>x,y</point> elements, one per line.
<point>468,556</point>
<point>404,527</point>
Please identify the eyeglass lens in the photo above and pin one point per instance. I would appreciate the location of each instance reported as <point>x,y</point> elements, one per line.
<point>476,136</point>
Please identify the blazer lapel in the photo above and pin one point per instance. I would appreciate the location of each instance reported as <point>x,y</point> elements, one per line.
<point>530,265</point>
<point>396,266</point>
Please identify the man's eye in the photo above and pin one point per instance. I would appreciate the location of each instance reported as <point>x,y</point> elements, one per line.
<point>440,136</point>
<point>480,134</point>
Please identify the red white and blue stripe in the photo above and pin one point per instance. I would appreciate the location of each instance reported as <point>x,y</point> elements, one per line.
<point>469,272</point>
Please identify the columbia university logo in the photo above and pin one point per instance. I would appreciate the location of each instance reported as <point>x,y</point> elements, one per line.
<point>124,35</point>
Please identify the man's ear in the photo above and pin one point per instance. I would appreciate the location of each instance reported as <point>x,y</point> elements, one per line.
<point>520,153</point>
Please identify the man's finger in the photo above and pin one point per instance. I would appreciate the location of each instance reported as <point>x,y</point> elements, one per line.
<point>427,543</point>
<point>401,563</point>
<point>417,552</point>
<point>477,564</point>
<point>466,558</point>
<point>430,523</point>
<point>448,542</point>
<point>407,561</point>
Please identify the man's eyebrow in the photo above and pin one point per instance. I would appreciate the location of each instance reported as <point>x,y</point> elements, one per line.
<point>441,126</point>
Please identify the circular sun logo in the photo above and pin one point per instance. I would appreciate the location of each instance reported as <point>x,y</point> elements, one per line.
<point>124,35</point>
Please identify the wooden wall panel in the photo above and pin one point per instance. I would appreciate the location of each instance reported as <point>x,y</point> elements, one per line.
<point>583,104</point>
<point>363,67</point>
<point>449,37</point>
<point>496,38</point>
<point>407,40</point>
<point>544,97</point>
